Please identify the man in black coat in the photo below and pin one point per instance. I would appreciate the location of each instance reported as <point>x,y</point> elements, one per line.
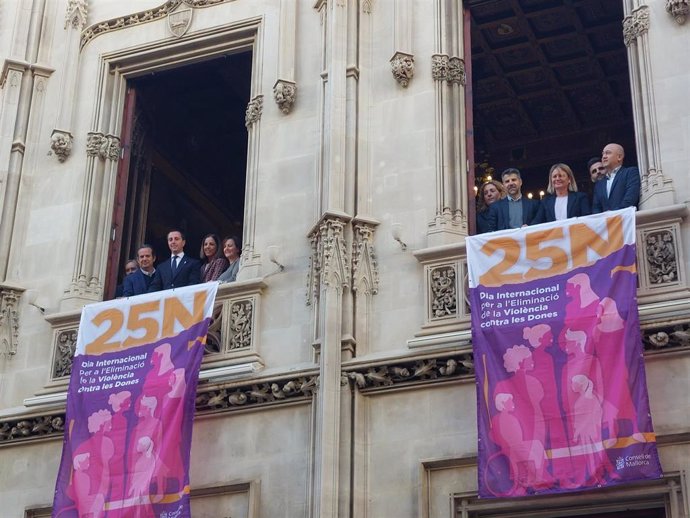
<point>515,210</point>
<point>177,271</point>
<point>139,281</point>
<point>621,186</point>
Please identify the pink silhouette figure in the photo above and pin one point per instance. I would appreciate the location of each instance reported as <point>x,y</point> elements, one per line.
<point>587,437</point>
<point>142,457</point>
<point>609,347</point>
<point>170,467</point>
<point>527,457</point>
<point>91,472</point>
<point>581,311</point>
<point>156,381</point>
<point>120,402</point>
<point>540,337</point>
<point>526,389</point>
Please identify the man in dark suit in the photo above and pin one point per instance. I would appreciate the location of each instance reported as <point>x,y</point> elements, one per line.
<point>178,271</point>
<point>139,281</point>
<point>621,186</point>
<point>515,210</point>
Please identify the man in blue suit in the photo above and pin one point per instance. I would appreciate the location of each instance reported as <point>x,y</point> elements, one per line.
<point>138,282</point>
<point>178,271</point>
<point>621,186</point>
<point>515,210</point>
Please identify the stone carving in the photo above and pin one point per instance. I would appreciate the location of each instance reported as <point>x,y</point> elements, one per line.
<point>402,66</point>
<point>103,146</point>
<point>254,109</point>
<point>679,9</point>
<point>456,71</point>
<point>241,322</point>
<point>367,6</point>
<point>137,18</point>
<point>668,337</point>
<point>285,93</point>
<point>635,25</point>
<point>662,263</point>
<point>29,428</point>
<point>76,14</point>
<point>444,297</point>
<point>439,67</point>
<point>65,345</point>
<point>413,371</point>
<point>314,271</point>
<point>257,394</point>
<point>61,144</point>
<point>9,320</point>
<point>365,269</point>
<point>333,253</point>
<point>179,22</point>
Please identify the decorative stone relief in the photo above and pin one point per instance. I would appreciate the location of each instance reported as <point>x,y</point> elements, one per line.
<point>661,256</point>
<point>314,272</point>
<point>443,296</point>
<point>402,66</point>
<point>241,322</point>
<point>413,371</point>
<point>285,93</point>
<point>65,345</point>
<point>679,9</point>
<point>456,71</point>
<point>140,17</point>
<point>328,266</point>
<point>103,146</point>
<point>365,269</point>
<point>260,393</point>
<point>32,427</point>
<point>76,14</point>
<point>9,320</point>
<point>179,22</point>
<point>635,25</point>
<point>669,337</point>
<point>439,67</point>
<point>61,144</point>
<point>367,6</point>
<point>254,109</point>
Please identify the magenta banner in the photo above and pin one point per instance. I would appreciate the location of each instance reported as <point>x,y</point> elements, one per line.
<point>130,406</point>
<point>561,393</point>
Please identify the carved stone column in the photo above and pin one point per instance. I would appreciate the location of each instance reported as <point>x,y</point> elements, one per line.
<point>75,19</point>
<point>9,319</point>
<point>448,72</point>
<point>657,190</point>
<point>365,279</point>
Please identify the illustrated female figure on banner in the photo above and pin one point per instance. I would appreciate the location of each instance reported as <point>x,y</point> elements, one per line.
<point>581,311</point>
<point>526,457</point>
<point>120,403</point>
<point>142,456</point>
<point>170,471</point>
<point>156,381</point>
<point>609,347</point>
<point>540,338</point>
<point>587,439</point>
<point>91,470</point>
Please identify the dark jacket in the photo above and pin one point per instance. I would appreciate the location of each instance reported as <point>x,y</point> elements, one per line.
<point>625,191</point>
<point>187,274</point>
<point>499,216</point>
<point>578,205</point>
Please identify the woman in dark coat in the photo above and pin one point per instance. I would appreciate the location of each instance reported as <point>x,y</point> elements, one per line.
<point>563,201</point>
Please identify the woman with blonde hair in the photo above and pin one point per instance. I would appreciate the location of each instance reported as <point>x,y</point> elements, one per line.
<point>562,201</point>
<point>489,193</point>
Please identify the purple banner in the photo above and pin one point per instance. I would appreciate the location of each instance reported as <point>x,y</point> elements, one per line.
<point>562,400</point>
<point>129,425</point>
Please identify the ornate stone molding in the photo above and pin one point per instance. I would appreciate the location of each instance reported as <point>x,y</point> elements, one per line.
<point>65,345</point>
<point>679,9</point>
<point>439,67</point>
<point>149,15</point>
<point>241,324</point>
<point>329,262</point>
<point>285,93</point>
<point>61,144</point>
<point>443,291</point>
<point>456,71</point>
<point>365,269</point>
<point>105,147</point>
<point>635,25</point>
<point>666,338</point>
<point>9,319</point>
<point>255,108</point>
<point>31,428</point>
<point>402,67</point>
<point>416,371</point>
<point>77,11</point>
<point>661,253</point>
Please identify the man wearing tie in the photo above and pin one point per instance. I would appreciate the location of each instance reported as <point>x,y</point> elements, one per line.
<point>621,186</point>
<point>139,281</point>
<point>178,271</point>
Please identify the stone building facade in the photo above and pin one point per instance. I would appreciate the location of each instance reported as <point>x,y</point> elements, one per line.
<point>339,377</point>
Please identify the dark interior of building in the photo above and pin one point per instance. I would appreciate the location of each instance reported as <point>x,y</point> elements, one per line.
<point>549,84</point>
